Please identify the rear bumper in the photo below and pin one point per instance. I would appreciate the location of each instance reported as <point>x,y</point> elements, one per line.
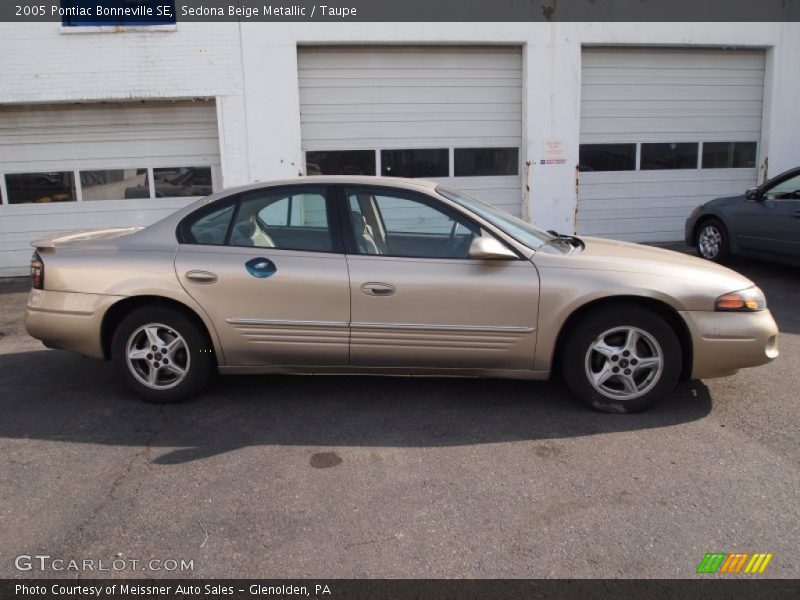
<point>724,342</point>
<point>67,320</point>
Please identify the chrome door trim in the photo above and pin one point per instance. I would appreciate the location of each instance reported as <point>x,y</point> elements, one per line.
<point>244,321</point>
<point>482,328</point>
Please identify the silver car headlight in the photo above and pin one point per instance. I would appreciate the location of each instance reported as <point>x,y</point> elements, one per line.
<point>750,300</point>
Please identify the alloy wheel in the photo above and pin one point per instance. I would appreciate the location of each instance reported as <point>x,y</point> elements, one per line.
<point>157,356</point>
<point>709,241</point>
<point>624,363</point>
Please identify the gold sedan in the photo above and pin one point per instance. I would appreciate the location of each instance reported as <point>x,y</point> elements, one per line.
<point>389,277</point>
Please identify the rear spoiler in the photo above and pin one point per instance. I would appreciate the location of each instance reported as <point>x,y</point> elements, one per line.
<point>82,235</point>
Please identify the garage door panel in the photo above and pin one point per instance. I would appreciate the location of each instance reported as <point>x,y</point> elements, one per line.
<point>408,57</point>
<point>95,137</point>
<point>666,124</point>
<point>652,95</point>
<point>377,98</point>
<point>672,58</point>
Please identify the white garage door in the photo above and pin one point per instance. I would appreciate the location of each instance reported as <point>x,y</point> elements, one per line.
<point>663,130</point>
<point>444,113</point>
<point>80,166</point>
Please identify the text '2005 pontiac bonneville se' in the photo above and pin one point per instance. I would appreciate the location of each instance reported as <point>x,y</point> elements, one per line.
<point>385,276</point>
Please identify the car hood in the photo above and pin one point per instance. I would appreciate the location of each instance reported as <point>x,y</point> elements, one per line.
<point>610,255</point>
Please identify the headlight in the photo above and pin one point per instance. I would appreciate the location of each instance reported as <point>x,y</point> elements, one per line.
<point>749,300</point>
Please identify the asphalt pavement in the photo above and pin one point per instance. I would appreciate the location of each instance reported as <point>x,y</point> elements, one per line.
<point>291,476</point>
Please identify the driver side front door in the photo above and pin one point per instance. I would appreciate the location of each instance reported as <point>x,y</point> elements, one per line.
<point>418,301</point>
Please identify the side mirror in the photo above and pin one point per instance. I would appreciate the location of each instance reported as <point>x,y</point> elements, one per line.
<point>488,248</point>
<point>752,194</point>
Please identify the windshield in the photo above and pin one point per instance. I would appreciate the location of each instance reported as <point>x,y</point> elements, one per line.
<point>523,232</point>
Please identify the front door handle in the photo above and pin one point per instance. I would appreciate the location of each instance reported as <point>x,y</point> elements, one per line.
<point>201,276</point>
<point>796,214</point>
<point>376,288</point>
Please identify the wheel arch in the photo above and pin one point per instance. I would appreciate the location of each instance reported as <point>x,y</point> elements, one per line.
<point>663,309</point>
<point>705,218</point>
<point>119,310</point>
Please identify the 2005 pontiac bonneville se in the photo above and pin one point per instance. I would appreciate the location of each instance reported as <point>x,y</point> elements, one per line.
<point>388,276</point>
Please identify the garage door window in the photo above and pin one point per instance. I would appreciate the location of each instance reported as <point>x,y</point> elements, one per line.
<point>607,157</point>
<point>40,188</point>
<point>341,162</point>
<point>669,156</point>
<point>113,184</point>
<point>182,181</point>
<point>425,162</point>
<point>486,162</point>
<point>729,155</point>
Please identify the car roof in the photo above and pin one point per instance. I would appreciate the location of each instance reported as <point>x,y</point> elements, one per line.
<point>397,182</point>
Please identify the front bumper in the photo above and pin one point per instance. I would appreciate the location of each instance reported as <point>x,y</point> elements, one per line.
<point>724,342</point>
<point>68,320</point>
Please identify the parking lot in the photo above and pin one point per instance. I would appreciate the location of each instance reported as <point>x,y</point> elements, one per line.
<point>369,477</point>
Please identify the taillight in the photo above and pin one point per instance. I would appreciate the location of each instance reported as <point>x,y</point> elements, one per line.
<point>37,271</point>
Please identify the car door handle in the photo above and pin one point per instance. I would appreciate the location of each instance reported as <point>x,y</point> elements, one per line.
<point>374,288</point>
<point>796,214</point>
<point>201,276</point>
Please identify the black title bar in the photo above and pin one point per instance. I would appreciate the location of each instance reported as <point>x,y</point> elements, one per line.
<point>171,11</point>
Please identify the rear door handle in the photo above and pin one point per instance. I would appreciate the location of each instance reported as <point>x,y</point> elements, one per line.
<point>796,214</point>
<point>375,288</point>
<point>201,276</point>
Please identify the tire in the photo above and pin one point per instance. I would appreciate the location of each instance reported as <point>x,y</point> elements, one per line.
<point>180,346</point>
<point>711,241</point>
<point>633,387</point>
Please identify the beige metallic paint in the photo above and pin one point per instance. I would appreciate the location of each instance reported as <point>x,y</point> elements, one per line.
<point>482,322</point>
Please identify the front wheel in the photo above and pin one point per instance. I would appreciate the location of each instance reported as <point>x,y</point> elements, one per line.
<point>161,354</point>
<point>711,241</point>
<point>621,359</point>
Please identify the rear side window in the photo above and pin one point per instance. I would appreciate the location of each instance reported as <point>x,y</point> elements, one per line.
<point>210,228</point>
<point>285,220</point>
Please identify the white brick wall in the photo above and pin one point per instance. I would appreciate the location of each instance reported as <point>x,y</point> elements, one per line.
<point>251,70</point>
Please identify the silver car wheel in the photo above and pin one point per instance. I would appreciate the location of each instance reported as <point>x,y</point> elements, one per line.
<point>157,356</point>
<point>709,241</point>
<point>624,363</point>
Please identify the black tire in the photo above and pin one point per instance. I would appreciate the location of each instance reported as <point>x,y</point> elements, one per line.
<point>714,229</point>
<point>196,358</point>
<point>652,385</point>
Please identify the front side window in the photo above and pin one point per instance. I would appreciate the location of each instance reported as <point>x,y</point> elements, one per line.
<point>284,220</point>
<point>395,224</point>
<point>788,189</point>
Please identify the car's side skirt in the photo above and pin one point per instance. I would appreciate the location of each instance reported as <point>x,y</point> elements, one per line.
<point>384,371</point>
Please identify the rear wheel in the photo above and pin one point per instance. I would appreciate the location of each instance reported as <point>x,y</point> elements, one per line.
<point>711,240</point>
<point>162,355</point>
<point>621,359</point>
